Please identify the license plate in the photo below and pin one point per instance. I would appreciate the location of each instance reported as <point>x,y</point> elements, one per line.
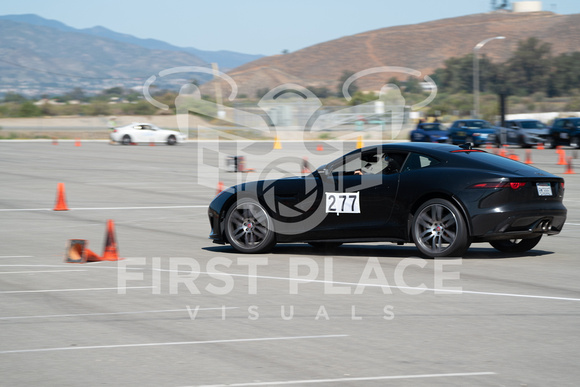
<point>461,134</point>
<point>564,135</point>
<point>544,189</point>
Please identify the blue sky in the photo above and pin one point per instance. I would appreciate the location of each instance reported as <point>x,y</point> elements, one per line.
<point>253,26</point>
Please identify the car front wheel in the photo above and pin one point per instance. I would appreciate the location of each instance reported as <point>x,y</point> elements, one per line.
<point>550,143</point>
<point>171,140</point>
<point>516,245</point>
<point>575,142</point>
<point>248,227</point>
<point>439,229</point>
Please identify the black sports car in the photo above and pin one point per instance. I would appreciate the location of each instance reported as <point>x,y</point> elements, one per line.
<point>442,197</point>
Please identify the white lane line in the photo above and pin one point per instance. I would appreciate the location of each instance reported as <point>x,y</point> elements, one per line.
<point>110,313</point>
<point>359,379</point>
<point>73,290</point>
<point>173,343</point>
<point>16,256</point>
<point>37,271</point>
<point>102,208</point>
<point>371,285</point>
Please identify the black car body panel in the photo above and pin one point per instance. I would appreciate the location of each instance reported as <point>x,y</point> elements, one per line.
<point>498,198</point>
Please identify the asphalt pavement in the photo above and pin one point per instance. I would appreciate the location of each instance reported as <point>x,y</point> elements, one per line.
<point>178,310</point>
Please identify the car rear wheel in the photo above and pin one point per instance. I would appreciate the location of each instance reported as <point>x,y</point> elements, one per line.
<point>439,229</point>
<point>516,245</point>
<point>126,140</point>
<point>248,227</point>
<point>550,143</point>
<point>575,142</point>
<point>171,140</point>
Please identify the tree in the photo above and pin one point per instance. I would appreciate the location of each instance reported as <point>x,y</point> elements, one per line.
<point>565,74</point>
<point>529,67</point>
<point>320,92</point>
<point>412,85</point>
<point>352,88</point>
<point>14,97</point>
<point>29,109</point>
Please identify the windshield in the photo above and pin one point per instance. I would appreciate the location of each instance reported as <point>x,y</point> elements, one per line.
<point>533,125</point>
<point>433,127</point>
<point>475,124</point>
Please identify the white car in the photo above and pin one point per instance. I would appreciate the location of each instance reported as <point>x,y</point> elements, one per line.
<point>146,133</point>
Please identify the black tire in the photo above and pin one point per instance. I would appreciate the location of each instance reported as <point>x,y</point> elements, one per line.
<point>575,142</point>
<point>126,140</point>
<point>439,230</point>
<point>249,228</point>
<point>171,140</point>
<point>516,245</point>
<point>550,143</point>
<point>325,245</point>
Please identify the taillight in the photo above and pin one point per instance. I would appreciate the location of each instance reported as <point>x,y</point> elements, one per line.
<point>502,184</point>
<point>517,185</point>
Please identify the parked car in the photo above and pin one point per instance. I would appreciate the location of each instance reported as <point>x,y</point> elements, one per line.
<point>523,132</point>
<point>564,131</point>
<point>440,197</point>
<point>429,132</point>
<point>474,131</point>
<point>145,133</point>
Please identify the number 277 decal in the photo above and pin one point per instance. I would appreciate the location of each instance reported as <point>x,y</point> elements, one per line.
<point>347,202</point>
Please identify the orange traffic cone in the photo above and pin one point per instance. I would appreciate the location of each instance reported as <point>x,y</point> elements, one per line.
<point>502,152</point>
<point>277,144</point>
<point>359,142</point>
<point>528,157</point>
<point>77,252</point>
<point>319,148</point>
<point>110,253</point>
<point>77,142</point>
<point>54,141</point>
<point>220,188</point>
<point>540,146</point>
<point>92,256</point>
<point>513,156</point>
<point>562,158</point>
<point>60,199</point>
<point>569,170</point>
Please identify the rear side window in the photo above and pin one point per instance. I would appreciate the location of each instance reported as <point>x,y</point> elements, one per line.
<point>418,161</point>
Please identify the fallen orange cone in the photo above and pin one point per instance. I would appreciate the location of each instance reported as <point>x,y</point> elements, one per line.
<point>60,199</point>
<point>110,253</point>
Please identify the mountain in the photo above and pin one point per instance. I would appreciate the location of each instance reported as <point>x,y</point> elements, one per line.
<point>226,59</point>
<point>422,47</point>
<point>41,56</point>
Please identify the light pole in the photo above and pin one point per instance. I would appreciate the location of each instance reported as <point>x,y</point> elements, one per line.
<point>476,73</point>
